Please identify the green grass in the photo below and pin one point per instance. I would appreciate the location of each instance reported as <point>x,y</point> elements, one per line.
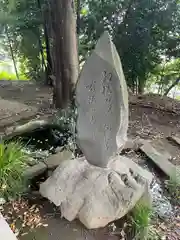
<point>12,165</point>
<point>10,76</point>
<point>177,97</point>
<point>173,186</point>
<point>141,217</point>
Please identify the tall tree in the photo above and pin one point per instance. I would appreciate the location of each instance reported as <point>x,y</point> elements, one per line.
<point>11,51</point>
<point>48,68</point>
<point>78,12</point>
<point>65,51</point>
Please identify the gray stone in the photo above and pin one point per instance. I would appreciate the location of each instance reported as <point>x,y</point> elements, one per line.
<point>159,159</point>
<point>5,231</point>
<point>175,139</point>
<point>96,195</point>
<point>59,149</point>
<point>133,144</point>
<point>31,161</point>
<point>50,172</point>
<point>102,186</point>
<point>102,100</point>
<point>35,170</point>
<point>55,160</point>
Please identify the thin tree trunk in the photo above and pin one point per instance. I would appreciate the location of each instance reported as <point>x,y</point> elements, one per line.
<point>11,52</point>
<point>48,67</point>
<point>161,79</point>
<point>49,70</point>
<point>78,16</point>
<point>172,85</point>
<point>66,56</point>
<point>41,51</point>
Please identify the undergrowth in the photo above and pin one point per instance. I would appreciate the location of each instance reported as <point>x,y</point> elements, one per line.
<point>173,186</point>
<point>66,119</point>
<point>141,217</point>
<point>11,76</point>
<point>12,165</point>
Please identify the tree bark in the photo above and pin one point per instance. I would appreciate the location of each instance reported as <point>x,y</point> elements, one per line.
<point>48,67</point>
<point>141,85</point>
<point>65,51</point>
<point>49,70</point>
<point>172,85</point>
<point>41,51</point>
<point>78,16</point>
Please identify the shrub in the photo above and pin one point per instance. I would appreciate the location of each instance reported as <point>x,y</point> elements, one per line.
<point>12,165</point>
<point>66,120</point>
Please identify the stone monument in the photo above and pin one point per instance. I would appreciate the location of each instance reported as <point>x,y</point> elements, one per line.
<point>102,101</point>
<point>101,186</point>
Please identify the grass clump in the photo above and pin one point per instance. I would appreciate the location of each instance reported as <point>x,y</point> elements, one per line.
<point>173,186</point>
<point>12,165</point>
<point>141,217</point>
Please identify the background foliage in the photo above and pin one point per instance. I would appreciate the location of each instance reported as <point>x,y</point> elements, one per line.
<point>146,34</point>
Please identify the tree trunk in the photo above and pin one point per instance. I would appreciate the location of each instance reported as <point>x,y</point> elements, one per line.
<point>172,85</point>
<point>141,85</point>
<point>41,51</point>
<point>78,16</point>
<point>65,51</point>
<point>48,67</point>
<point>11,52</point>
<point>49,70</point>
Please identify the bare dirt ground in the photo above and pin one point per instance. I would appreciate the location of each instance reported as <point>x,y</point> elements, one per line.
<point>151,117</point>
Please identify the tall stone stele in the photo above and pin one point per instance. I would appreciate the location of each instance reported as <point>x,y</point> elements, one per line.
<point>101,186</point>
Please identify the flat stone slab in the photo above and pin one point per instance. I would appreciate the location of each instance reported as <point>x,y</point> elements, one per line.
<point>12,112</point>
<point>174,139</point>
<point>133,144</point>
<point>159,159</point>
<point>5,231</point>
<point>162,148</point>
<point>55,160</point>
<point>35,170</point>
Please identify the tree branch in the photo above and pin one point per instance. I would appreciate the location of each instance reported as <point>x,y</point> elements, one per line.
<point>172,85</point>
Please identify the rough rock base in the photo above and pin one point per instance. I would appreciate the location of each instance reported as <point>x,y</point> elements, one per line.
<point>94,195</point>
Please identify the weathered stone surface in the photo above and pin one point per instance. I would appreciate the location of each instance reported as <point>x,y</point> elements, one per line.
<point>35,170</point>
<point>59,149</point>
<point>96,195</point>
<point>175,139</point>
<point>159,159</point>
<point>5,231</point>
<point>133,144</point>
<point>102,186</point>
<point>102,100</point>
<point>161,146</point>
<point>32,161</point>
<point>54,160</point>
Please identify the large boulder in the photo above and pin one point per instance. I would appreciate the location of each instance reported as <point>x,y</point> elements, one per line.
<point>94,195</point>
